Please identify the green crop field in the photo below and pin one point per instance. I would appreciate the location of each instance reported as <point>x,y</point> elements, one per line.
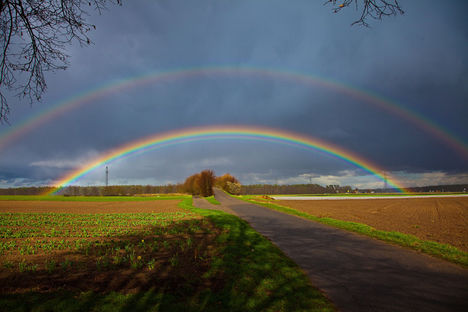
<point>190,260</point>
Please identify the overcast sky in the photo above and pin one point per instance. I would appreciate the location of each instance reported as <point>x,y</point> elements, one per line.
<point>418,61</point>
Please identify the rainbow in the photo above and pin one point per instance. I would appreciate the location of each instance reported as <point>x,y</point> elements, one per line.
<point>170,76</point>
<point>223,132</point>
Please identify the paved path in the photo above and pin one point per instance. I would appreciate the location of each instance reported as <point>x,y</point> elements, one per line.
<point>358,273</point>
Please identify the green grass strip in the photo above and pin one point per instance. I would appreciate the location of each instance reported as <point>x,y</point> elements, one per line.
<point>212,200</point>
<point>361,195</point>
<point>89,198</point>
<point>260,277</point>
<point>443,251</point>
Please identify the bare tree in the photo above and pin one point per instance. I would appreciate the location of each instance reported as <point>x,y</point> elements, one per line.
<point>374,9</point>
<point>34,34</point>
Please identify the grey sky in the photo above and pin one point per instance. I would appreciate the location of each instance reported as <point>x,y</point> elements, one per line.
<point>418,60</point>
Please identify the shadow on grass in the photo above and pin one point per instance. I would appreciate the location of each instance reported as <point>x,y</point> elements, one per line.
<point>218,263</point>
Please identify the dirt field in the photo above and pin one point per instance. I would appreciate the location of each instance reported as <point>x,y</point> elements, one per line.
<point>90,207</point>
<point>443,220</point>
<point>133,246</point>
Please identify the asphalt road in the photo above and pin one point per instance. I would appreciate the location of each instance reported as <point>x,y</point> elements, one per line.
<point>356,272</point>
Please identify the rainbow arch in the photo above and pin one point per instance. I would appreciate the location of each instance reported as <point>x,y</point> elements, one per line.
<point>186,135</point>
<point>110,88</point>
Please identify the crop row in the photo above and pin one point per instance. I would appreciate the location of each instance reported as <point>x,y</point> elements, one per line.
<point>63,231</point>
<point>159,238</point>
<point>66,219</point>
<point>142,253</point>
<point>86,226</point>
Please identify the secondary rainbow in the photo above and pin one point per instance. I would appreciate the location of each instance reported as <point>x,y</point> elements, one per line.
<point>116,86</point>
<point>224,132</point>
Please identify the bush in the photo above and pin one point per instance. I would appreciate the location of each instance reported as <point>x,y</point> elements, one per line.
<point>222,182</point>
<point>233,188</point>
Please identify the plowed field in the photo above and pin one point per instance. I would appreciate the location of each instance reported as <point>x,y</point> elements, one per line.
<point>444,220</point>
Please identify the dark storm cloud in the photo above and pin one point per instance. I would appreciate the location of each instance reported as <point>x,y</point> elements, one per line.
<point>417,60</point>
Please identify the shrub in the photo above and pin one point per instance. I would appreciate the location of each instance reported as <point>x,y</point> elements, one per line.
<point>224,179</point>
<point>233,188</point>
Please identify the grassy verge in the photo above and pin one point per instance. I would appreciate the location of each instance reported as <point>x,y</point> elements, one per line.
<point>226,267</point>
<point>443,251</point>
<point>358,195</point>
<point>212,200</point>
<point>89,198</point>
<point>260,277</point>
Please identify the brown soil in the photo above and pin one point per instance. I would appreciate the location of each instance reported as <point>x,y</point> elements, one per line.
<point>183,254</point>
<point>84,275</point>
<point>91,207</point>
<point>444,220</point>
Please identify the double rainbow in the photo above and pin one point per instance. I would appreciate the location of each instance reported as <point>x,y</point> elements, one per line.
<point>113,87</point>
<point>225,132</point>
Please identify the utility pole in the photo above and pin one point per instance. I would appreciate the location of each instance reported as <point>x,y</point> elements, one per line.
<point>385,181</point>
<point>107,176</point>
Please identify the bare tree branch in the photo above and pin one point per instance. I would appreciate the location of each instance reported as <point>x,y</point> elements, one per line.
<point>33,38</point>
<point>374,9</point>
<point>34,34</point>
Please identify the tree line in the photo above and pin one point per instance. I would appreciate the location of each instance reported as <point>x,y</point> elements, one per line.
<point>194,185</point>
<point>201,184</point>
<point>111,190</point>
<point>274,189</point>
<point>450,188</point>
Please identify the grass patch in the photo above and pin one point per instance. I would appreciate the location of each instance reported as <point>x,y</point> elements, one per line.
<point>260,276</point>
<point>357,195</point>
<point>90,198</point>
<point>206,260</point>
<point>443,251</point>
<point>212,200</point>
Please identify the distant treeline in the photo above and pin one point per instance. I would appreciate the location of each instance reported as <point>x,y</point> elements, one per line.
<point>33,190</point>
<point>456,188</point>
<point>270,189</point>
<point>112,190</point>
<point>226,182</point>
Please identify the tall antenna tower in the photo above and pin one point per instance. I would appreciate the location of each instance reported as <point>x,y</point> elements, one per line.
<point>385,181</point>
<point>107,176</point>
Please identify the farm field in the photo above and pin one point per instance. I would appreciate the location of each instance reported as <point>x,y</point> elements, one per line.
<point>85,207</point>
<point>361,196</point>
<point>151,255</point>
<point>90,198</point>
<point>443,220</point>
